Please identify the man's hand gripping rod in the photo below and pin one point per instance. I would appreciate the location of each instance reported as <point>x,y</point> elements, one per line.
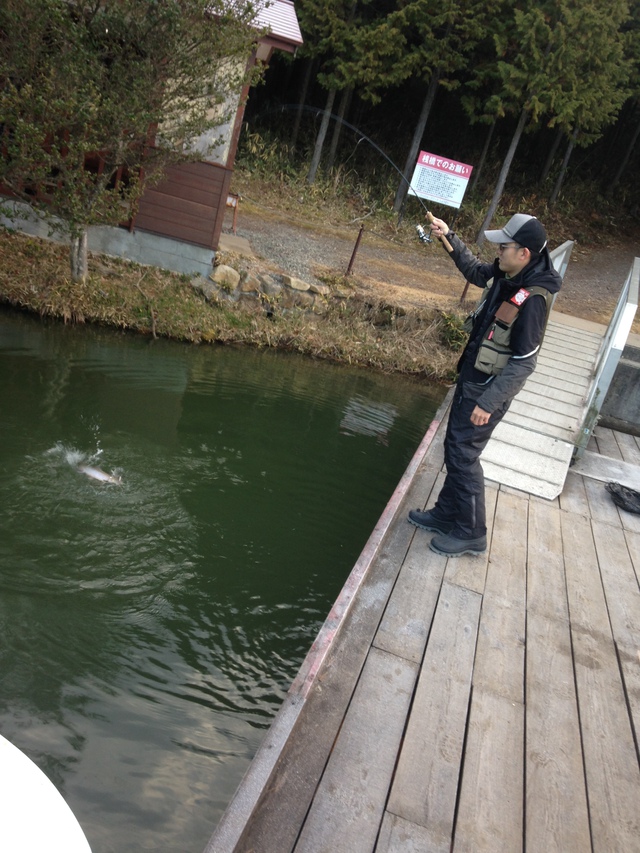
<point>444,240</point>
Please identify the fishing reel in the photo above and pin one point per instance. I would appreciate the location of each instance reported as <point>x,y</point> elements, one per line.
<point>423,235</point>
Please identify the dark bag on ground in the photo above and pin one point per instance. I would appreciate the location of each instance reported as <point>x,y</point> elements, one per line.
<point>624,497</point>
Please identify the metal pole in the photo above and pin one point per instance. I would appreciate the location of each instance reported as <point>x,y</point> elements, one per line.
<point>355,249</point>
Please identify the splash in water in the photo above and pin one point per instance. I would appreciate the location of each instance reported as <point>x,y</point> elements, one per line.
<point>84,463</point>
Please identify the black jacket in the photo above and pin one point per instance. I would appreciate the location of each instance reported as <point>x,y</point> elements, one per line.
<point>528,329</point>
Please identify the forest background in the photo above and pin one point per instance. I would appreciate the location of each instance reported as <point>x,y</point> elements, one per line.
<point>542,98</point>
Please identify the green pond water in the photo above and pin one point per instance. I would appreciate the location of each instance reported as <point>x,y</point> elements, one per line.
<point>150,630</point>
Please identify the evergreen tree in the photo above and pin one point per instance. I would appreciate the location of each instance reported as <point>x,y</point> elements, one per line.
<point>440,43</point>
<point>360,47</point>
<point>121,87</point>
<point>631,32</point>
<point>583,111</point>
<point>545,67</point>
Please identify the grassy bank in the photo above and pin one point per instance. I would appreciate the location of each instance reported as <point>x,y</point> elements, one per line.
<point>34,276</point>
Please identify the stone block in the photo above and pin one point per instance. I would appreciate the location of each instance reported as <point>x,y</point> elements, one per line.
<point>249,283</point>
<point>295,283</point>
<point>321,289</point>
<point>206,288</point>
<point>225,276</point>
<point>270,284</point>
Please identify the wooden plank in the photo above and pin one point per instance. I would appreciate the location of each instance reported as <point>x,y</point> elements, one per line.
<point>555,339</point>
<point>541,418</point>
<point>164,206</point>
<point>181,181</point>
<point>273,799</point>
<point>286,796</point>
<point>426,782</point>
<point>607,444</point>
<point>407,619</point>
<point>556,804</point>
<point>347,809</point>
<point>176,231</point>
<point>633,543</point>
<point>620,583</point>
<point>542,457</point>
<point>469,570</point>
<point>184,182</point>
<point>598,467</point>
<point>529,461</point>
<point>568,357</point>
<point>567,395</point>
<point>574,496</point>
<point>198,171</point>
<point>522,481</point>
<point>425,489</point>
<point>579,379</point>
<point>490,814</point>
<point>552,381</point>
<point>601,506</point>
<point>630,520</point>
<point>560,335</point>
<point>572,326</point>
<point>610,759</point>
<point>533,442</point>
<point>499,663</point>
<point>201,194</point>
<point>628,448</point>
<point>398,834</point>
<point>579,357</point>
<point>539,398</point>
<point>546,592</point>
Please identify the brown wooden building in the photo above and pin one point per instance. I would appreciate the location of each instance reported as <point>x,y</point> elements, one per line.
<point>179,221</point>
<point>189,205</point>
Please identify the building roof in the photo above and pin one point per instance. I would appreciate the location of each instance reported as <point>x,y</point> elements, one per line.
<point>279,17</point>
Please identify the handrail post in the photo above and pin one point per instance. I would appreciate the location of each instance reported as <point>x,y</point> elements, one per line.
<point>613,344</point>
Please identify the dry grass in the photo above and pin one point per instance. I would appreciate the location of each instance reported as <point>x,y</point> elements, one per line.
<point>360,330</point>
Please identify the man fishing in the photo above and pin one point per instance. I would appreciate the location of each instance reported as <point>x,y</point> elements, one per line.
<point>506,332</point>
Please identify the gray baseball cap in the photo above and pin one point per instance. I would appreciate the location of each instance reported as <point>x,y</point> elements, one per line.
<point>522,229</point>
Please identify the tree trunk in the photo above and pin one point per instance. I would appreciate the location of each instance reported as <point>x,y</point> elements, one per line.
<point>304,88</point>
<point>478,170</point>
<point>78,257</point>
<point>624,162</point>
<point>317,154</point>
<point>551,156</point>
<point>563,169</point>
<point>414,150</point>
<point>342,109</point>
<point>502,177</point>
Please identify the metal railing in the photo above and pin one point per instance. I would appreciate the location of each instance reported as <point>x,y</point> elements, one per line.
<point>611,349</point>
<point>560,257</point>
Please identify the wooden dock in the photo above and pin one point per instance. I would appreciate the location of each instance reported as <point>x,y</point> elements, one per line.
<point>473,704</point>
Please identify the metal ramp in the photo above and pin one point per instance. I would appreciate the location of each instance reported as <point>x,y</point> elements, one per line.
<point>532,448</point>
<point>551,419</point>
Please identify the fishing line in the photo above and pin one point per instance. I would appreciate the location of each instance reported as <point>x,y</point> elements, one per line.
<point>317,111</point>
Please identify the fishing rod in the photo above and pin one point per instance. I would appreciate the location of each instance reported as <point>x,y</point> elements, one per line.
<point>423,235</point>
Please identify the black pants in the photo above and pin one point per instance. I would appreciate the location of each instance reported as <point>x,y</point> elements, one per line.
<point>461,498</point>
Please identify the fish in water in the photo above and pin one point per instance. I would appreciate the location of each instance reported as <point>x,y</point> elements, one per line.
<point>99,474</point>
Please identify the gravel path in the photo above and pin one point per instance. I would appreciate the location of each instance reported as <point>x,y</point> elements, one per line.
<point>421,275</point>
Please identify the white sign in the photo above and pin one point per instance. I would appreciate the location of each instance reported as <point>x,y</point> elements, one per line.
<point>440,179</point>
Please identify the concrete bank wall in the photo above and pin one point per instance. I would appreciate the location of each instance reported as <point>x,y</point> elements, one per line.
<point>138,246</point>
<point>621,408</point>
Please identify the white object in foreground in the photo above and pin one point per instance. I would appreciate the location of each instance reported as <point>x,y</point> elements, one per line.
<point>34,815</point>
